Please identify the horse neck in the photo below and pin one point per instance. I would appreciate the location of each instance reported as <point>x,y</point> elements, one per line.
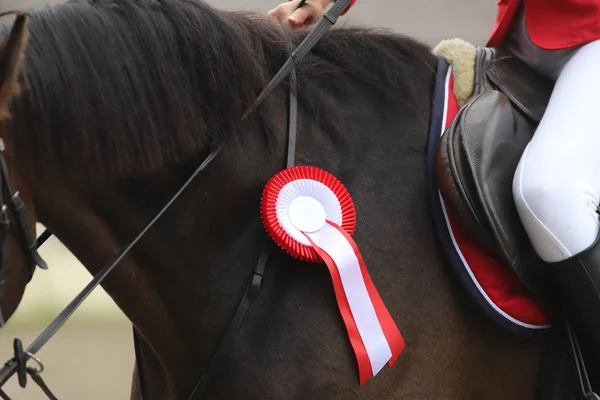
<point>183,280</point>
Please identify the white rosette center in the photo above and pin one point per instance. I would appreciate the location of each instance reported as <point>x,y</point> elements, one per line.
<point>304,205</point>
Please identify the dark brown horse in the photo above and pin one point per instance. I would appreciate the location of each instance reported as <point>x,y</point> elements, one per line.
<point>120,101</point>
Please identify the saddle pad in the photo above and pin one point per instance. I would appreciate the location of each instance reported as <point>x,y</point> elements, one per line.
<point>494,287</point>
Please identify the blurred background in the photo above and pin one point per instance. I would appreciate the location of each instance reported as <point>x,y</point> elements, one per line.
<point>92,356</point>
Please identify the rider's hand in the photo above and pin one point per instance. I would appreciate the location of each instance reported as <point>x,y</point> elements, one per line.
<point>300,19</point>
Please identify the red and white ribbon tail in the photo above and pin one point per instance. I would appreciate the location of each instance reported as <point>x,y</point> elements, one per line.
<point>373,334</point>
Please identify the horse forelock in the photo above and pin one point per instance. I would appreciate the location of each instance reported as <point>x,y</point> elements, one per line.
<point>119,88</point>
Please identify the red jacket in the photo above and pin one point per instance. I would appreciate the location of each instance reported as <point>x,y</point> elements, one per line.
<point>349,6</point>
<point>552,24</point>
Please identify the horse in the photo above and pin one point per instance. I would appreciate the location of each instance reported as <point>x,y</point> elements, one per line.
<point>107,108</point>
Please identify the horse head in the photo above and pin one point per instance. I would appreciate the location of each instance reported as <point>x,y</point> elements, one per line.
<point>18,253</point>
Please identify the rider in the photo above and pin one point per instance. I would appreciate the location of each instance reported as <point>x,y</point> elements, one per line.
<point>557,182</point>
<point>302,18</point>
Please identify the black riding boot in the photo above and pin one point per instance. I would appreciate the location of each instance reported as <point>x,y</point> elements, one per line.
<point>577,280</point>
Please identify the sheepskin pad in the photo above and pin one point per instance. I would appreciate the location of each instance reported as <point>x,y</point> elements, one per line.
<point>461,56</point>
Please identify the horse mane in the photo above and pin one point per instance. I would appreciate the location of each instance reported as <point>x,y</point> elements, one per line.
<point>121,88</point>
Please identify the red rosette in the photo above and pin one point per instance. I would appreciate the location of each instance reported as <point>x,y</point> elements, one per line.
<point>304,181</point>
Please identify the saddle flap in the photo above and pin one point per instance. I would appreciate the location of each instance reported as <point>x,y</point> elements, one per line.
<point>475,165</point>
<point>454,178</point>
<point>492,139</point>
<point>527,89</point>
<point>467,170</point>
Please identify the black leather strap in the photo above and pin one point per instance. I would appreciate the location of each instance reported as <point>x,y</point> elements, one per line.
<point>22,370</point>
<point>4,226</point>
<point>293,120</point>
<point>37,378</point>
<point>139,368</point>
<point>17,207</point>
<point>21,362</point>
<point>250,295</point>
<point>328,20</point>
<point>42,238</point>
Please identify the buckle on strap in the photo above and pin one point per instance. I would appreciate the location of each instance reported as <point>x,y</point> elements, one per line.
<point>22,370</point>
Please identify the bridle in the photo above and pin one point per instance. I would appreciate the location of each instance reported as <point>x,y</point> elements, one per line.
<point>18,364</point>
<point>14,211</point>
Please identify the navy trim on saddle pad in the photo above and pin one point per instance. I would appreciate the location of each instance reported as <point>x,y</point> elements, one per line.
<point>449,245</point>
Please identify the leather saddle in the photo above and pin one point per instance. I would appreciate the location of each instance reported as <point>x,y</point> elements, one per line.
<point>479,153</point>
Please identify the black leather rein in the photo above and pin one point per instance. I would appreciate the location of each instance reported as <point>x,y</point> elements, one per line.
<point>18,363</point>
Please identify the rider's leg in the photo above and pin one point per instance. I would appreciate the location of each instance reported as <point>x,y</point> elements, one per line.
<point>557,187</point>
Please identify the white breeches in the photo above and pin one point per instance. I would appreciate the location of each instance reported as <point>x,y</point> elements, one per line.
<point>557,183</point>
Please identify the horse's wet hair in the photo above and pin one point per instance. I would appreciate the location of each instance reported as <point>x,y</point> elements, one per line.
<point>122,88</point>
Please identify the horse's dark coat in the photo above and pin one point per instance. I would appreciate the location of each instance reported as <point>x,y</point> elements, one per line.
<point>129,95</point>
<point>152,83</point>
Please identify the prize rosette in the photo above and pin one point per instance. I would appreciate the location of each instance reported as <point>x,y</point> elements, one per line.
<point>301,199</point>
<point>310,214</point>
